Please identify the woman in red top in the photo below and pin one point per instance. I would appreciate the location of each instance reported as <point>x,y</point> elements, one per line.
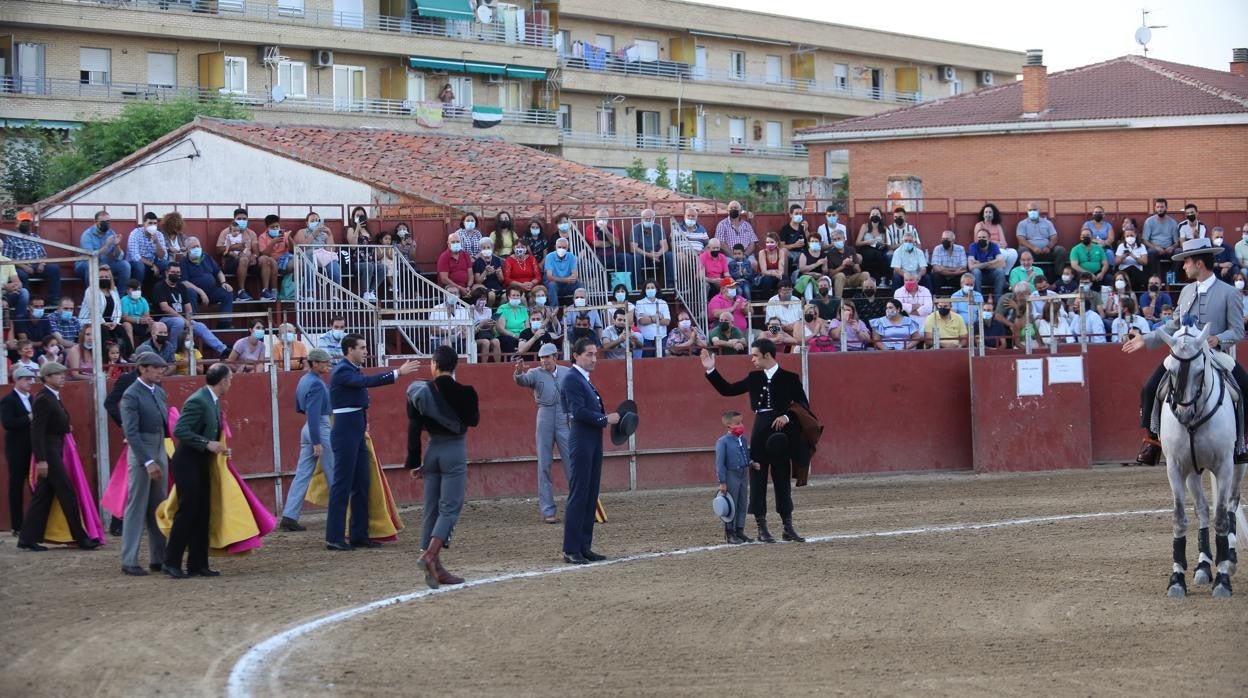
<point>773,264</point>
<point>520,270</point>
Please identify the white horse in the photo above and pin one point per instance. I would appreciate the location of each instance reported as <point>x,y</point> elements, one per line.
<point>1198,432</point>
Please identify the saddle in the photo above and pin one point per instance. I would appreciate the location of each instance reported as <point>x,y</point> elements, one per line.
<point>1224,365</point>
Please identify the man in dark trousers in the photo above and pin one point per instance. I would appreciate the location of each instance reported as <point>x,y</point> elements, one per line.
<point>112,405</point>
<point>588,417</point>
<point>348,397</point>
<point>15,414</point>
<point>49,424</point>
<point>776,440</point>
<point>198,433</point>
<point>445,408</point>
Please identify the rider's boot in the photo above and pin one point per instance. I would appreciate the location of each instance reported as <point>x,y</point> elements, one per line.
<point>1150,452</point>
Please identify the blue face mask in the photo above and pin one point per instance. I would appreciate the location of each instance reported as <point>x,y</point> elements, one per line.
<point>513,302</point>
<point>312,225</point>
<point>647,224</point>
<point>67,315</point>
<point>838,244</point>
<point>651,293</point>
<point>338,334</point>
<point>36,313</point>
<point>240,223</point>
<point>275,233</point>
<point>258,334</point>
<point>565,227</point>
<point>196,254</point>
<point>907,246</point>
<point>536,325</point>
<point>1033,215</point>
<point>456,247</point>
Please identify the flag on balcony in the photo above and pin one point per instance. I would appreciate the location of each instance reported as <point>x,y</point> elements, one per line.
<point>486,117</point>
<point>428,114</point>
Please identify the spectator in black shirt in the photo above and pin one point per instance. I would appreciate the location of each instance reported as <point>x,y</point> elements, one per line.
<point>171,301</point>
<point>794,233</point>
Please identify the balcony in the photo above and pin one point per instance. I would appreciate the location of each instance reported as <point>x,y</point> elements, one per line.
<point>663,144</point>
<point>40,99</point>
<point>187,18</point>
<point>692,76</point>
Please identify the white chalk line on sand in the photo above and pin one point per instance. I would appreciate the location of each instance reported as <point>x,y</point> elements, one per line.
<point>250,664</point>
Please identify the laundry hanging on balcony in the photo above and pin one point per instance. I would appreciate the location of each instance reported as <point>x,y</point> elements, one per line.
<point>428,114</point>
<point>486,117</point>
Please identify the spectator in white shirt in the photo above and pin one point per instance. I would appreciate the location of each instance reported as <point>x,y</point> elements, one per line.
<point>785,307</point>
<point>833,215</point>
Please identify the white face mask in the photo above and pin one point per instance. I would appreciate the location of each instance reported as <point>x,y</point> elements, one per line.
<point>150,228</point>
<point>691,222</point>
<point>685,324</point>
<point>1239,284</point>
<point>136,295</point>
<point>620,296</point>
<point>579,302</point>
<point>1217,242</point>
<point>1131,242</point>
<point>561,252</point>
<point>968,290</point>
<point>602,222</point>
<point>732,293</point>
<point>486,254</point>
<point>1120,284</point>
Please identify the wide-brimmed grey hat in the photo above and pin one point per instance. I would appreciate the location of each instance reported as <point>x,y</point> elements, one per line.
<point>151,358</point>
<point>724,507</point>
<point>547,350</point>
<point>1196,246</point>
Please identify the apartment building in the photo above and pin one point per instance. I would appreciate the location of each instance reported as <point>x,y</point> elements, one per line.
<point>709,89</point>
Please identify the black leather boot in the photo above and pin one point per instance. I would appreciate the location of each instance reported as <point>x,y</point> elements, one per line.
<point>1150,451</point>
<point>744,538</point>
<point>790,534</point>
<point>764,535</point>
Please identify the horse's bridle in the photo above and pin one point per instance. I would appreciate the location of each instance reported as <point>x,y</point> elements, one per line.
<point>1200,388</point>
<point>1174,400</point>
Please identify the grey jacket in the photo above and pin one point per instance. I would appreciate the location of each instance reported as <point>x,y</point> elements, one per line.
<point>1222,308</point>
<point>545,386</point>
<point>145,421</point>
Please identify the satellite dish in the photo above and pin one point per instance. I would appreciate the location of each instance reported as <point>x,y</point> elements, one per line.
<point>1143,35</point>
<point>279,93</point>
<point>485,14</point>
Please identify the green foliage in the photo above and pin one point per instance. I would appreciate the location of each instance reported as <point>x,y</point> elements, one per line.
<point>661,179</point>
<point>46,165</point>
<point>686,183</point>
<point>637,171</point>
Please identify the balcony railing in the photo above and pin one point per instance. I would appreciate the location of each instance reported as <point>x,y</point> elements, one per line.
<point>535,35</point>
<point>674,71</point>
<point>690,145</point>
<point>11,86</point>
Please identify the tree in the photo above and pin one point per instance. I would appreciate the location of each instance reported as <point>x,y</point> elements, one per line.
<point>637,171</point>
<point>46,166</point>
<point>685,183</point>
<point>661,178</point>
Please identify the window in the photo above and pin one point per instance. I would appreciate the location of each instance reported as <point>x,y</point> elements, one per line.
<point>565,117</point>
<point>563,42</point>
<point>162,69</point>
<point>348,88</point>
<point>93,66</point>
<point>230,5</point>
<point>462,86</point>
<point>699,63</point>
<point>736,131</point>
<point>774,72</point>
<point>775,131</point>
<point>29,69</point>
<point>509,96</point>
<point>349,13</point>
<point>736,65</point>
<point>606,122</point>
<point>604,42</point>
<point>647,50</point>
<point>840,73</point>
<point>235,75</point>
<point>415,86</point>
<point>877,83</point>
<point>292,76</point>
<point>290,8</point>
<point>648,132</point>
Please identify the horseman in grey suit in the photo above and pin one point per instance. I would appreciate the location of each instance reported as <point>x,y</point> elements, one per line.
<point>1209,301</point>
<point>145,422</point>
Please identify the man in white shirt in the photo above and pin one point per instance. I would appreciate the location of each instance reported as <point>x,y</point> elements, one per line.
<point>833,214</point>
<point>653,317</point>
<point>785,307</point>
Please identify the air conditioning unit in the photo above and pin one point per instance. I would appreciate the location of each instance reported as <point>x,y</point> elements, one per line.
<point>985,78</point>
<point>323,58</point>
<point>947,73</point>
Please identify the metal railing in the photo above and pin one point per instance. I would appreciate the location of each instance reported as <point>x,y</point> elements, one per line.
<point>681,71</point>
<point>12,85</point>
<point>536,35</point>
<point>594,276</point>
<point>691,284</point>
<point>424,329</point>
<point>320,299</point>
<point>640,141</point>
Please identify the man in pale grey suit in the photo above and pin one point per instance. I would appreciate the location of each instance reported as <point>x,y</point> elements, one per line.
<point>145,422</point>
<point>552,423</point>
<point>1208,300</point>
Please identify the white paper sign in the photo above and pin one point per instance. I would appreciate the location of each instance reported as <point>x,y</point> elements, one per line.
<point>1066,369</point>
<point>1030,376</point>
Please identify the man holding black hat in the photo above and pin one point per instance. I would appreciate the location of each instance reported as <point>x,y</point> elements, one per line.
<point>552,423</point>
<point>1210,301</point>
<point>15,413</point>
<point>776,440</point>
<point>145,422</point>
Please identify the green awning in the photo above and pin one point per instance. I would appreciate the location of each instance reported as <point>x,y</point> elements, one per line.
<point>40,123</point>
<point>451,66</point>
<point>515,71</point>
<point>445,9</point>
<point>485,68</point>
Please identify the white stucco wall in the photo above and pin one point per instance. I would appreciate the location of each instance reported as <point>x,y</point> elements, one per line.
<point>225,172</point>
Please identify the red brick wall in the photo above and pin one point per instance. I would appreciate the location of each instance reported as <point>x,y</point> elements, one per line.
<point>1190,161</point>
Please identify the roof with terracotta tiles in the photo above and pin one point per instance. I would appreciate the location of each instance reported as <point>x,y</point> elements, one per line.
<point>1126,87</point>
<point>437,169</point>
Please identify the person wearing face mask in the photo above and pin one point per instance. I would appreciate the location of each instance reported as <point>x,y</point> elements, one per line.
<point>915,299</point>
<point>651,250</point>
<point>561,272</point>
<point>405,244</point>
<point>484,332</point>
<point>944,326</point>
<point>619,301</point>
<point>521,270</point>
<point>102,238</point>
<point>504,234</point>
<point>1190,227</point>
<point>713,264</point>
<point>512,320</point>
<point>773,265</point>
<point>288,344</point>
<point>1067,282</point>
<point>273,256</point>
<point>368,271</point>
<point>949,261</point>
<point>1036,233</point>
<point>455,267</point>
<point>812,263</point>
<point>737,230</point>
<point>693,235</point>
<point>909,258</point>
<point>1089,257</point>
<point>726,337</point>
<point>79,359</point>
<point>207,283</point>
<point>537,239</point>
<point>532,337</point>
<point>872,244</point>
<point>457,318</point>
<point>1102,232</point>
<point>1152,300</point>
<point>813,331</point>
<point>1224,262</point>
<point>794,234</point>
<point>1132,256</point>
<point>731,301</point>
<point>331,339</point>
<point>653,317</point>
<point>145,249</point>
<point>470,234</point>
<point>487,273</point>
<point>686,339</point>
<point>848,332</point>
<point>250,349</point>
<point>732,468</point>
<point>1160,236</point>
<point>102,306</point>
<point>844,268</point>
<point>784,307</point>
<point>575,311</point>
<point>832,224</point>
<point>582,330</point>
<point>552,422</point>
<point>315,239</point>
<point>65,323</point>
<point>870,302</point>
<point>18,249</point>
<point>826,304</point>
<point>896,232</point>
<point>895,331</point>
<point>158,343</point>
<point>236,244</point>
<point>605,241</point>
<point>987,264</point>
<point>1241,249</point>
<point>990,222</point>
<point>1092,323</point>
<point>1128,323</point>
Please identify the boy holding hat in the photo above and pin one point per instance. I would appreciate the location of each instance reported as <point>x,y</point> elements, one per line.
<point>732,464</point>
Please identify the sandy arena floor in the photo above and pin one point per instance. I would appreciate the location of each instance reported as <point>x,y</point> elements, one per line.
<point>1063,607</point>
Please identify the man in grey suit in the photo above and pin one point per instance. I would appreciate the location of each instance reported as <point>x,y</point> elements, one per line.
<point>552,423</point>
<point>145,422</point>
<point>1209,301</point>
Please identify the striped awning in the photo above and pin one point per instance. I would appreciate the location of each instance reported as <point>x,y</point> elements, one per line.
<point>449,65</point>
<point>445,9</point>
